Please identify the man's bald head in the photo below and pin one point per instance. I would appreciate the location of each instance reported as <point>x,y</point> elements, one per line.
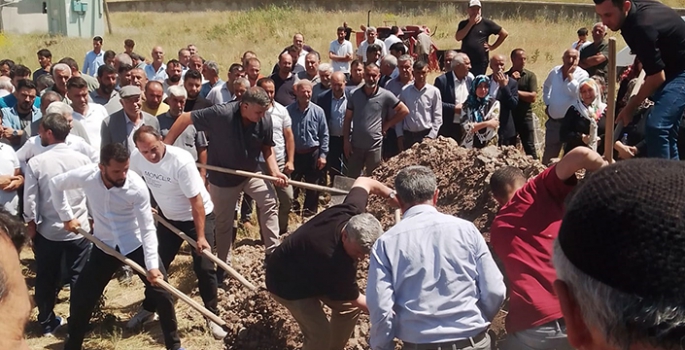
<point>497,63</point>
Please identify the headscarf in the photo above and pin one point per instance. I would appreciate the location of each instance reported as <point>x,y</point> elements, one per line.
<point>478,107</point>
<point>592,112</point>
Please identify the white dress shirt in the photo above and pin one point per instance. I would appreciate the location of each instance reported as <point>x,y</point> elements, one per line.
<point>92,122</point>
<point>172,181</point>
<point>33,147</point>
<point>432,279</point>
<point>220,94</point>
<point>56,159</point>
<point>461,88</point>
<point>280,118</point>
<point>8,165</point>
<point>558,93</point>
<point>123,216</point>
<point>425,109</point>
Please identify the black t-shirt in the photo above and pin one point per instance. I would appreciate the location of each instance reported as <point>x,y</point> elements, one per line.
<point>472,45</point>
<point>312,262</point>
<point>348,33</point>
<point>656,34</point>
<point>198,103</point>
<point>237,146</point>
<point>591,50</point>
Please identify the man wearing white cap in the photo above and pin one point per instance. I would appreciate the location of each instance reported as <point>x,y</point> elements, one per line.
<point>474,33</point>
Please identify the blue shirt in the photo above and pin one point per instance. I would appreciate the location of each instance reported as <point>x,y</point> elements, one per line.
<point>10,119</point>
<point>207,87</point>
<point>338,109</point>
<point>432,279</point>
<point>10,101</point>
<point>309,128</point>
<point>159,75</point>
<point>92,62</point>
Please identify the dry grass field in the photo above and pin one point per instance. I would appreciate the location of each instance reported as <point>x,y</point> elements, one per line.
<point>223,36</point>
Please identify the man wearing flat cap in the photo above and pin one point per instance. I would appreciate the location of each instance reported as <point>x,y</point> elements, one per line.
<point>620,258</point>
<point>120,126</point>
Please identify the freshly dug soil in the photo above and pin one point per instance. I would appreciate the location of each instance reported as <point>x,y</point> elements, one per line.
<point>463,178</point>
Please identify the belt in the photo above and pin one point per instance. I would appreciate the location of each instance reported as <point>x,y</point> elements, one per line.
<point>453,345</point>
<point>307,150</point>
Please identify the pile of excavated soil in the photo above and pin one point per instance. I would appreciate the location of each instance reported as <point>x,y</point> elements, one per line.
<point>463,178</point>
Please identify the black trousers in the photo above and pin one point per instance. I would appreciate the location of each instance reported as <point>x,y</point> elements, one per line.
<point>49,257</point>
<point>412,138</point>
<point>246,208</point>
<point>170,243</point>
<point>478,68</point>
<point>390,147</point>
<point>335,160</point>
<point>526,130</point>
<point>305,170</point>
<point>92,282</point>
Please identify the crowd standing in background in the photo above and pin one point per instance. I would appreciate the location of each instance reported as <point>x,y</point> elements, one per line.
<point>577,278</point>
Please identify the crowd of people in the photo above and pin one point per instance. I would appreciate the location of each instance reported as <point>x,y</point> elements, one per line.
<point>120,142</point>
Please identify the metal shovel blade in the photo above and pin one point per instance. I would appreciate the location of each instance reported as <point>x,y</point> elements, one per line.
<point>343,183</point>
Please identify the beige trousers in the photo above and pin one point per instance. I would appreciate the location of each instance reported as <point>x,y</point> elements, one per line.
<point>319,332</point>
<point>225,200</point>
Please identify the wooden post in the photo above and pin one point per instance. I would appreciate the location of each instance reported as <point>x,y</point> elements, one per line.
<point>109,22</point>
<point>611,101</point>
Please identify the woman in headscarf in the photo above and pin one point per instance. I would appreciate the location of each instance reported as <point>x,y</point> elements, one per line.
<point>579,127</point>
<point>479,115</point>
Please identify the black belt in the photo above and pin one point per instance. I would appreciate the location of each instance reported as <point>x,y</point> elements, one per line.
<point>457,344</point>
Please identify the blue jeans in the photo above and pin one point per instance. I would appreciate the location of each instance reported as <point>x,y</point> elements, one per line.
<point>661,129</point>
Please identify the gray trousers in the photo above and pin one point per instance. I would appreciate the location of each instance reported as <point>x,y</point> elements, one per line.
<point>485,344</point>
<point>552,140</point>
<point>367,160</point>
<point>285,198</point>
<point>549,336</point>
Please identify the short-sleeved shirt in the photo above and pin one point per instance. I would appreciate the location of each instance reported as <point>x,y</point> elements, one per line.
<point>285,91</point>
<point>341,50</point>
<point>522,236</point>
<point>528,82</point>
<point>8,165</point>
<point>591,50</point>
<point>472,45</point>
<point>239,147</point>
<point>368,114</point>
<point>312,261</point>
<point>189,140</point>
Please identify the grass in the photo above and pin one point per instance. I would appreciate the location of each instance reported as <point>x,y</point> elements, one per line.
<point>222,37</point>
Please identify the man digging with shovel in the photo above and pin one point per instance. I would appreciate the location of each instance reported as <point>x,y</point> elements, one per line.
<point>318,264</point>
<point>172,176</point>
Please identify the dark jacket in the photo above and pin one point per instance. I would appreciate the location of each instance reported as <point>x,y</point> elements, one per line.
<point>324,101</point>
<point>445,83</point>
<point>508,98</point>
<point>113,129</point>
<point>574,125</point>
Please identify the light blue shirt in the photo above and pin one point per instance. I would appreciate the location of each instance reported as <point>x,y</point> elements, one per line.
<point>207,87</point>
<point>338,109</point>
<point>309,128</point>
<point>92,62</point>
<point>158,75</point>
<point>432,279</point>
<point>10,119</point>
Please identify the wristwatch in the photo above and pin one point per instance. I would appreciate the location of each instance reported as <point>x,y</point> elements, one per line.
<point>15,133</point>
<point>392,194</point>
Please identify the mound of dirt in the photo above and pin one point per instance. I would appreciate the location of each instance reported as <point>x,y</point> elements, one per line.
<point>463,178</point>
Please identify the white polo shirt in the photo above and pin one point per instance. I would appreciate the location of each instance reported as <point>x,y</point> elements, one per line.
<point>8,165</point>
<point>172,181</point>
<point>341,50</point>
